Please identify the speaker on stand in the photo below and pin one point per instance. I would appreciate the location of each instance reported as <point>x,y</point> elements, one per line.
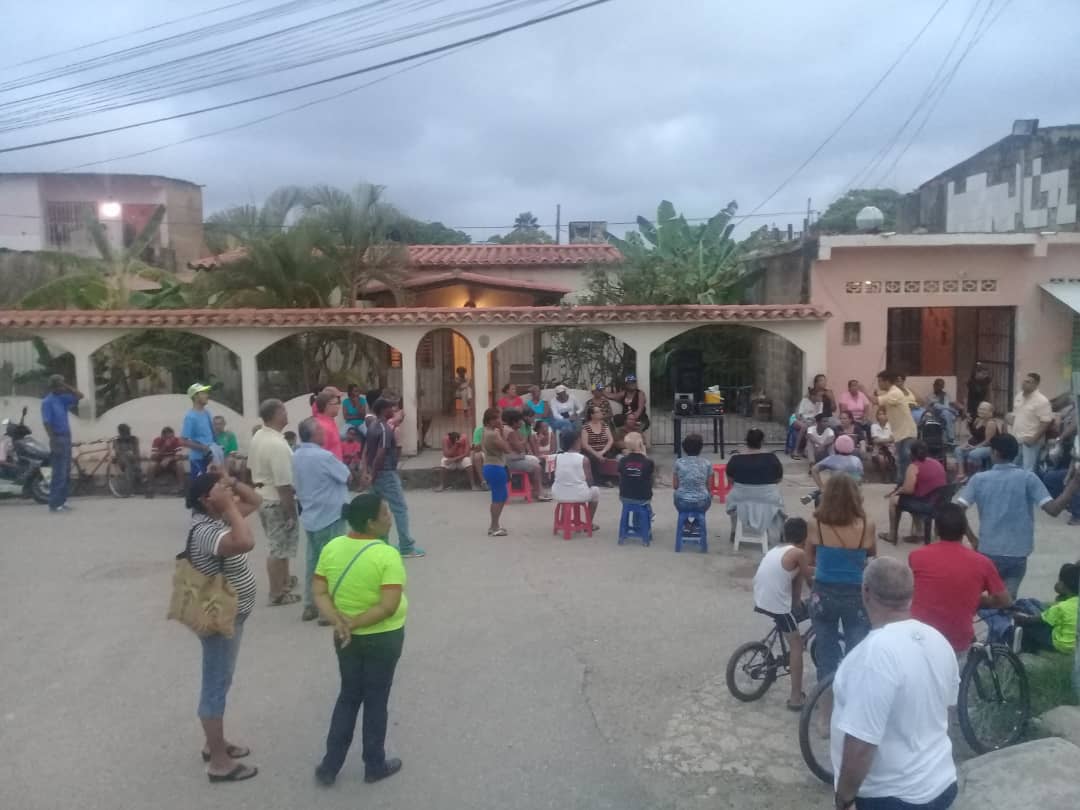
<point>687,368</point>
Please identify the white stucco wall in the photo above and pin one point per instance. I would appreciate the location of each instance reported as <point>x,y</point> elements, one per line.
<point>990,209</point>
<point>22,226</point>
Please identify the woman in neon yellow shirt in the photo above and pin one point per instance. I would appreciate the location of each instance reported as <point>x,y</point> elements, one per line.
<point>359,587</point>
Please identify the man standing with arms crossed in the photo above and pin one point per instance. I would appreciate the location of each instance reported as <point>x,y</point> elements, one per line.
<point>1032,415</point>
<point>55,408</point>
<point>321,483</point>
<point>381,475</point>
<point>270,459</point>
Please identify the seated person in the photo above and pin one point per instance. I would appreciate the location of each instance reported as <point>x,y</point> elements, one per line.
<point>819,439</point>
<point>809,407</point>
<point>880,451</point>
<point>230,448</point>
<point>1054,629</point>
<point>165,456</point>
<point>777,594</point>
<point>690,479</point>
<point>754,465</point>
<point>290,439</point>
<point>924,477</point>
<point>598,442</point>
<point>844,460</point>
<point>945,408</point>
<point>352,447</point>
<point>635,472</point>
<point>982,427</point>
<point>755,498</point>
<point>457,455</point>
<point>952,582</point>
<point>519,459</point>
<point>623,424</point>
<point>545,445</point>
<point>125,448</point>
<point>573,475</point>
<point>846,426</point>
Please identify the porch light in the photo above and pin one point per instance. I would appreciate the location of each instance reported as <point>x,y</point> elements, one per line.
<point>109,210</point>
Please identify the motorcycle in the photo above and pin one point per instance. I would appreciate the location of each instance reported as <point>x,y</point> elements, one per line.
<point>26,471</point>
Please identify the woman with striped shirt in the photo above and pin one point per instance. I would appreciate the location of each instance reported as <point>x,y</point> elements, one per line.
<point>218,542</point>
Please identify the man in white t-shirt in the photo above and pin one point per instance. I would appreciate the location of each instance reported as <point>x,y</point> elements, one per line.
<point>819,440</point>
<point>892,693</point>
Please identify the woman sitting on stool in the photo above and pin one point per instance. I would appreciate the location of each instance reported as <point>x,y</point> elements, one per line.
<point>691,477</point>
<point>573,476</point>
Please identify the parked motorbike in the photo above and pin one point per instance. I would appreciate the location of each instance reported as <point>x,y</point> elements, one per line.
<point>26,472</point>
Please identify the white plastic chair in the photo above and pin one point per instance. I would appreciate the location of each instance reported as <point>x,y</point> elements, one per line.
<point>742,536</point>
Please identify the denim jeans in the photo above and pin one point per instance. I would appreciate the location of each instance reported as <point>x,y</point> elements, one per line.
<point>830,605</point>
<point>903,458</point>
<point>1011,570</point>
<point>367,672</point>
<point>1055,485</point>
<point>684,503</point>
<point>948,418</point>
<point>560,425</point>
<point>387,485</point>
<point>1029,455</point>
<point>60,461</point>
<point>976,456</point>
<point>315,542</point>
<point>942,802</point>
<point>218,665</point>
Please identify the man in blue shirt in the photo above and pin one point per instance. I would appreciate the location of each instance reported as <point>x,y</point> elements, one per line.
<point>197,432</point>
<point>321,485</point>
<point>1006,496</point>
<point>54,414</point>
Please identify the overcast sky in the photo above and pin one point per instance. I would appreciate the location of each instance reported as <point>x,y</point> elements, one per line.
<point>606,112</point>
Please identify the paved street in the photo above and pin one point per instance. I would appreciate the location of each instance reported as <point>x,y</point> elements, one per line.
<point>537,673</point>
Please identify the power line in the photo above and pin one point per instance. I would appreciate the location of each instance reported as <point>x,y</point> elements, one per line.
<point>858,106</point>
<point>349,74</point>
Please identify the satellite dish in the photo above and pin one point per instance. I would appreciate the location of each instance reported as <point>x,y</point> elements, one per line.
<point>869,219</point>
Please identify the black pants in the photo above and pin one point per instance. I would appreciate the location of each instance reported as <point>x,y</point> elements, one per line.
<point>367,672</point>
<point>942,802</point>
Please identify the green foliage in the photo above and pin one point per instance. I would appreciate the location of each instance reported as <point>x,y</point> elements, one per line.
<point>840,216</point>
<point>526,232</point>
<point>414,232</point>
<point>243,224</point>
<point>47,365</point>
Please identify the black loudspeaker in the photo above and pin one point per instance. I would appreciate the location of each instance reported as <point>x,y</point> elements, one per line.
<point>684,405</point>
<point>687,368</point>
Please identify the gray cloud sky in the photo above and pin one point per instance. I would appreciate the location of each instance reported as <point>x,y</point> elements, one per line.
<point>607,111</point>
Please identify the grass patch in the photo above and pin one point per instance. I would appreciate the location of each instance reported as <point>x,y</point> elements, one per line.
<point>1050,681</point>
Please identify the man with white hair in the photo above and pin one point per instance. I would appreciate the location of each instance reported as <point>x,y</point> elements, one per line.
<point>892,693</point>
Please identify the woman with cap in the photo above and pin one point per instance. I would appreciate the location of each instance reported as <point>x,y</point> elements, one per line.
<point>359,587</point>
<point>633,401</point>
<point>600,400</point>
<point>218,542</point>
<point>565,410</point>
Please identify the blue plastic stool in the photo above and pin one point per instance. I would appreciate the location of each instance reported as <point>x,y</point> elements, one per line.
<point>701,538</point>
<point>636,522</point>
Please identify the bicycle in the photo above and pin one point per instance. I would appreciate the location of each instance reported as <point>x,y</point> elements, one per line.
<point>762,662</point>
<point>121,480</point>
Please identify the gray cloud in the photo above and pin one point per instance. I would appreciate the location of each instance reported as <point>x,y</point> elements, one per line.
<point>606,112</point>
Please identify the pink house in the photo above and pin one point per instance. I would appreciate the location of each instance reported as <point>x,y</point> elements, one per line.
<point>931,305</point>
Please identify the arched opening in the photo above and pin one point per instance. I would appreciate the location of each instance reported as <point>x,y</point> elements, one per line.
<point>444,402</point>
<point>759,374</point>
<point>27,362</point>
<point>295,365</point>
<point>158,361</point>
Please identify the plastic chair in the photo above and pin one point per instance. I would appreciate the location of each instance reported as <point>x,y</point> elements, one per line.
<point>719,484</point>
<point>571,518</point>
<point>522,490</point>
<point>742,536</point>
<point>702,535</point>
<point>635,523</point>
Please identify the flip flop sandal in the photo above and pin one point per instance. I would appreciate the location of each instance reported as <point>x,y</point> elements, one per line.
<point>234,752</point>
<point>497,533</point>
<point>285,599</point>
<point>885,536</point>
<point>237,774</point>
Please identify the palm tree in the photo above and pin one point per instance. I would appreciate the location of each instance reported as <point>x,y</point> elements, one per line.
<point>525,221</point>
<point>242,224</point>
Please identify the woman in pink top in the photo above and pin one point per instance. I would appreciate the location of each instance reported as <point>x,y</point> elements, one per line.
<point>327,406</point>
<point>925,476</point>
<point>510,398</point>
<point>859,404</point>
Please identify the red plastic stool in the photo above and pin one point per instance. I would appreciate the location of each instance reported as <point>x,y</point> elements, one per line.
<point>719,484</point>
<point>571,518</point>
<point>525,488</point>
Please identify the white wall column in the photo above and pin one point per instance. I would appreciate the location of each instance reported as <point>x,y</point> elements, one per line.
<point>407,341</point>
<point>249,383</point>
<point>481,378</point>
<point>84,382</point>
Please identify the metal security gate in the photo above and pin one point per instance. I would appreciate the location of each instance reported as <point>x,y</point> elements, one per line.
<point>995,348</point>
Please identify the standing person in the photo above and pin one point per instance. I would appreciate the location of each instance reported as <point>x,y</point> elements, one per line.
<point>271,466</point>
<point>565,410</point>
<point>778,594</point>
<point>326,408</point>
<point>598,440</point>
<point>463,390</point>
<point>55,409</point>
<point>321,483</point>
<point>355,406</point>
<point>359,588</point>
<point>881,442</point>
<point>925,476</point>
<point>218,542</point>
<point>890,726</point>
<point>197,432</point>
<point>858,404</point>
<point>510,398</point>
<point>978,386</point>
<point>952,582</point>
<point>1006,497</point>
<point>494,452</point>
<point>381,458</point>
<point>165,457</point>
<point>633,401</point>
<point>456,456</point>
<point>1032,415</point>
<point>841,539</point>
<point>982,427</point>
<point>897,407</point>
<point>573,477</point>
<point>230,447</point>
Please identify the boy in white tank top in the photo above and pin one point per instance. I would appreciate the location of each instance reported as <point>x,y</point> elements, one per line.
<point>777,594</point>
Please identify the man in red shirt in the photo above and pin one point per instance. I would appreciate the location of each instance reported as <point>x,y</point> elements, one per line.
<point>165,457</point>
<point>952,582</point>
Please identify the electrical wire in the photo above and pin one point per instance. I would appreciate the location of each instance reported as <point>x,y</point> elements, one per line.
<point>316,83</point>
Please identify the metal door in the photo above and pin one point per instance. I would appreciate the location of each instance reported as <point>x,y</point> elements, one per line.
<point>995,348</point>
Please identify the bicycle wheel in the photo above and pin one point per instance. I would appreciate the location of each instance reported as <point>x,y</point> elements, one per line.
<point>994,703</point>
<point>121,480</point>
<point>814,731</point>
<point>751,670</point>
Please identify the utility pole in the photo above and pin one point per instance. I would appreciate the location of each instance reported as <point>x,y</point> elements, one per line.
<point>558,223</point>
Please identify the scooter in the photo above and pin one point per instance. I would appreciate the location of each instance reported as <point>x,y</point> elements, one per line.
<point>26,472</point>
